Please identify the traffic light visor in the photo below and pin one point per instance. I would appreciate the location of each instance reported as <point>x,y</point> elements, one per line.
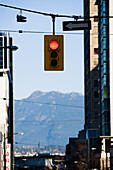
<point>53,45</point>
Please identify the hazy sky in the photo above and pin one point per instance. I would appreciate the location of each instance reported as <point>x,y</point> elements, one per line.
<point>29,74</point>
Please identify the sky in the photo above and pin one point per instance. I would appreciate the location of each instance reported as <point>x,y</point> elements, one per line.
<point>29,74</point>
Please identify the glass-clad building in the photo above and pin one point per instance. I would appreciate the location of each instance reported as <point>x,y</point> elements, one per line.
<point>98,42</point>
<point>103,67</point>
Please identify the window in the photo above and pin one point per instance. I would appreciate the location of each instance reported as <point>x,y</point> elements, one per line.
<point>104,55</point>
<point>95,18</point>
<point>105,42</point>
<point>95,94</point>
<point>95,62</point>
<point>96,105</point>
<point>105,79</point>
<point>106,104</point>
<point>95,51</point>
<point>95,83</point>
<point>105,117</point>
<point>105,92</point>
<point>105,68</point>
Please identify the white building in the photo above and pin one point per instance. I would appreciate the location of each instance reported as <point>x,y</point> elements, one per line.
<point>6,95</point>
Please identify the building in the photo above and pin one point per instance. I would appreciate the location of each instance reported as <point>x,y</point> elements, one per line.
<point>41,162</point>
<point>105,67</point>
<point>91,67</point>
<point>98,75</point>
<point>77,154</point>
<point>104,117</point>
<point>92,116</point>
<point>104,72</point>
<point>104,93</point>
<point>6,96</point>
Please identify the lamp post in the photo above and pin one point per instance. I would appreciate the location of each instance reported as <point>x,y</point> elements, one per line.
<point>17,133</point>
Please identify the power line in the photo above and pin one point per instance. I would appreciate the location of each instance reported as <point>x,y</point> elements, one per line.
<point>36,102</point>
<point>60,124</point>
<point>36,121</point>
<point>63,122</point>
<point>49,32</point>
<point>25,143</point>
<point>42,13</point>
<point>54,15</point>
<point>34,143</point>
<point>52,104</point>
<point>36,32</point>
<point>52,122</point>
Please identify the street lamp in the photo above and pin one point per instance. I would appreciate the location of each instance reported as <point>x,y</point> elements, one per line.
<point>20,133</point>
<point>14,48</point>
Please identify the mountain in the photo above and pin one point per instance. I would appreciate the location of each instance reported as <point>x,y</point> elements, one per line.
<point>49,118</point>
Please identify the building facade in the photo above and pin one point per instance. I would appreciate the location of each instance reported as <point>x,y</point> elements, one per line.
<point>102,16</point>
<point>91,67</point>
<point>92,117</point>
<point>98,75</point>
<point>111,64</point>
<point>6,96</point>
<point>104,65</point>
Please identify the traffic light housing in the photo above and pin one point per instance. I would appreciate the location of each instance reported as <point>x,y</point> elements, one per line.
<point>53,53</point>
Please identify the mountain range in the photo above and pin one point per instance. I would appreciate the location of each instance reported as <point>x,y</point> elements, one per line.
<point>49,118</point>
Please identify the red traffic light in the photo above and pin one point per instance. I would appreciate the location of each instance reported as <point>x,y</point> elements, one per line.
<point>53,53</point>
<point>53,45</point>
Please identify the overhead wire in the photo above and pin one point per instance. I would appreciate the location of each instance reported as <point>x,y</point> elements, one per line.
<point>55,15</point>
<point>37,144</point>
<point>42,13</point>
<point>36,102</point>
<point>50,14</point>
<point>36,32</point>
<point>50,123</point>
<point>58,122</point>
<point>48,32</point>
<point>32,123</point>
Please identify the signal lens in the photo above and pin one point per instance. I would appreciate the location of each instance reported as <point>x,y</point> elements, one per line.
<point>53,45</point>
<point>54,54</point>
<point>54,63</point>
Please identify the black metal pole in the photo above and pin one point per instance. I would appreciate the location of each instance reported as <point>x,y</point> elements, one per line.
<point>53,17</point>
<point>106,153</point>
<point>4,154</point>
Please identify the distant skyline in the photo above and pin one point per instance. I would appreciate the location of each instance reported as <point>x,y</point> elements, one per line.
<point>29,74</point>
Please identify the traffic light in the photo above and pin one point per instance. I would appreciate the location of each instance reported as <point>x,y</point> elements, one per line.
<point>21,18</point>
<point>53,53</point>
